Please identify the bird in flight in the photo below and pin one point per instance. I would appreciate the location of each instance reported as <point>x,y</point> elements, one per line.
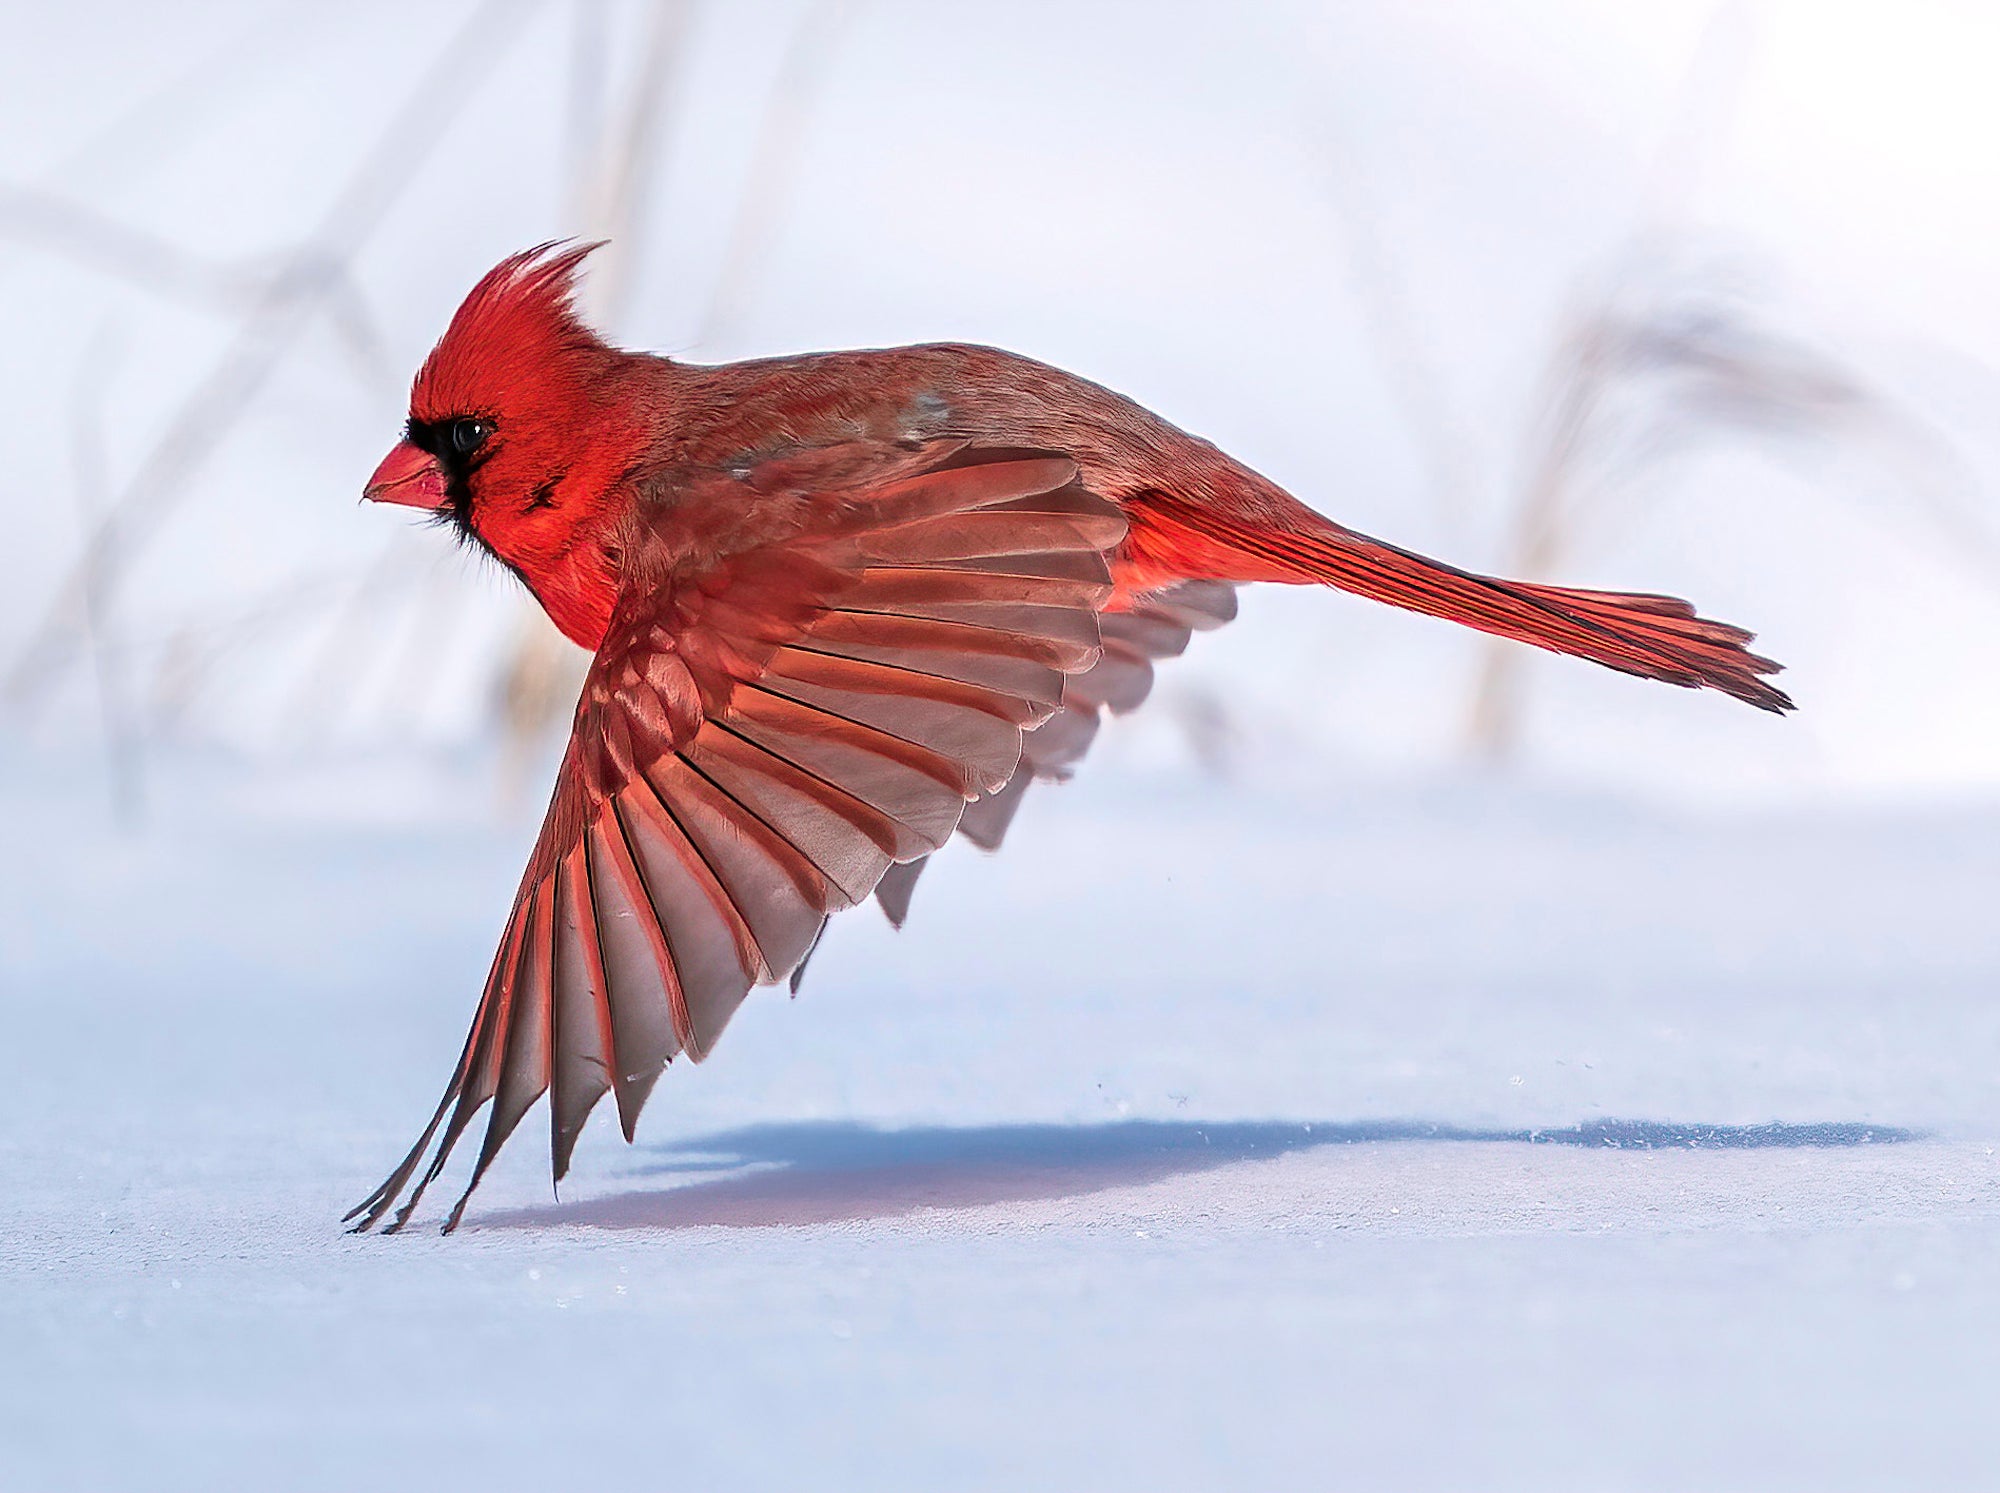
<point>842,606</point>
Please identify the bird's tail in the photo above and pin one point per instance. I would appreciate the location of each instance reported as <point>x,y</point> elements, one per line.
<point>1655,637</point>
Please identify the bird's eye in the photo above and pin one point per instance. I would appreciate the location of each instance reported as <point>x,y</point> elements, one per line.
<point>467,436</point>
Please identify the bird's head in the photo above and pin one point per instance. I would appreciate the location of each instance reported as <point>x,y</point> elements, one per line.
<point>521,420</point>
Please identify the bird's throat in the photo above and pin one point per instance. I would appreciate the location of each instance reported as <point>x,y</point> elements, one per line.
<point>577,589</point>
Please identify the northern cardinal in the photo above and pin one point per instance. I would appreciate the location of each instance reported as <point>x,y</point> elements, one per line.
<point>842,605</point>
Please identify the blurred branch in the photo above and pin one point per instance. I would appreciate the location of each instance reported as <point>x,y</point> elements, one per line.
<point>774,161</point>
<point>613,173</point>
<point>270,324</point>
<point>412,686</point>
<point>1209,729</point>
<point>122,745</point>
<point>328,680</point>
<point>1598,355</point>
<point>186,653</point>
<point>1637,380</point>
<point>156,264</point>
<point>1706,105</point>
<point>611,198</point>
<point>46,220</point>
<point>148,126</point>
<point>583,112</point>
<point>283,604</point>
<point>539,681</point>
<point>1414,383</point>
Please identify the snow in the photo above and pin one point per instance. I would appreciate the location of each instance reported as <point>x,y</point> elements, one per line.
<point>1432,1133</point>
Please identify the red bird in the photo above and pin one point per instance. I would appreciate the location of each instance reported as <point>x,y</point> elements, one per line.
<point>842,605</point>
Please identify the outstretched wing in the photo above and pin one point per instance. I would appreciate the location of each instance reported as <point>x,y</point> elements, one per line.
<point>814,666</point>
<point>1139,631</point>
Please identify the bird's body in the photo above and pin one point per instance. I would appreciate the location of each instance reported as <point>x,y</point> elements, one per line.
<point>842,605</point>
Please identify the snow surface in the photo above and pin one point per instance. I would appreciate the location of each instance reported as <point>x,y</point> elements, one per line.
<point>1435,1134</point>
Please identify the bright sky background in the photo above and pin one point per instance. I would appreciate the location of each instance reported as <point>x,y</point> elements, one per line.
<point>1231,213</point>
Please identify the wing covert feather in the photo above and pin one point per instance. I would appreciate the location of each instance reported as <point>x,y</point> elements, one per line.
<point>814,672</point>
<point>1136,632</point>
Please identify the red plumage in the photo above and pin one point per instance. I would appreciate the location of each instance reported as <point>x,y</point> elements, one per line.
<point>842,606</point>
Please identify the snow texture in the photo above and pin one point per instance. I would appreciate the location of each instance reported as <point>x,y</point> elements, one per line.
<point>1421,1135</point>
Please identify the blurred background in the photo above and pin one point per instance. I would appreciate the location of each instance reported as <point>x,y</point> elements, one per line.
<point>1384,1032</point>
<point>1692,298</point>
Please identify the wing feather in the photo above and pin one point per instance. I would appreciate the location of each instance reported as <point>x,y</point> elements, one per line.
<point>919,790</point>
<point>964,737</point>
<point>978,636</point>
<point>648,1010</point>
<point>778,896</point>
<point>521,1041</point>
<point>1136,632</point>
<point>845,835</point>
<point>470,1087</point>
<point>710,938</point>
<point>1019,677</point>
<point>815,672</point>
<point>831,671</point>
<point>629,871</point>
<point>584,1056</point>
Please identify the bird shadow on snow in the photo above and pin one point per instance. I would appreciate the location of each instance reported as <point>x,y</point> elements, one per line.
<point>816,1172</point>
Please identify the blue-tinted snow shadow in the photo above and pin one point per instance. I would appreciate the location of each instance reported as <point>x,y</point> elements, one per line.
<point>814,1172</point>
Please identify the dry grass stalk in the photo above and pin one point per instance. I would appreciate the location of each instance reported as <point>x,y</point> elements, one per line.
<point>543,672</point>
<point>271,322</point>
<point>1636,380</point>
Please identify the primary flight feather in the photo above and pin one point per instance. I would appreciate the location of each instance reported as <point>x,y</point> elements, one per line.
<point>842,606</point>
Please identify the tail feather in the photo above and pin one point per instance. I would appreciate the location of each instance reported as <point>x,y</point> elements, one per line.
<point>1655,637</point>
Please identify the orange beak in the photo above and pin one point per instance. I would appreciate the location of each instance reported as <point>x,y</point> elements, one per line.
<point>407,476</point>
